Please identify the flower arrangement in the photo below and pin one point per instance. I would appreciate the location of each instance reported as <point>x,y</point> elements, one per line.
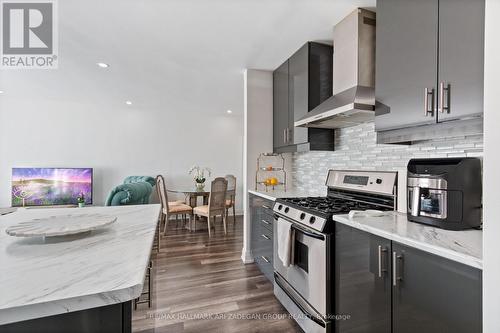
<point>199,174</point>
<point>80,199</point>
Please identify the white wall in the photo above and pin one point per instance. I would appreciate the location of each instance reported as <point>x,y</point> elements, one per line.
<point>491,233</point>
<point>117,142</point>
<point>258,135</point>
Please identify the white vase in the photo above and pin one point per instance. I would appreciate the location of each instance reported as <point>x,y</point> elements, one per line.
<point>200,186</point>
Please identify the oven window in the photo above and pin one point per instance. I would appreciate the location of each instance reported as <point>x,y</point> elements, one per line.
<point>301,256</point>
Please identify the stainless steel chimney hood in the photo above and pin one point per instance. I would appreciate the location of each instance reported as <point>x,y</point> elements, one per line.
<point>353,100</point>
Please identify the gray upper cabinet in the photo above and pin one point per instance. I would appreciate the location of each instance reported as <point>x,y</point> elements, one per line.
<point>300,84</point>
<point>429,65</point>
<point>461,58</point>
<point>406,62</point>
<point>280,106</point>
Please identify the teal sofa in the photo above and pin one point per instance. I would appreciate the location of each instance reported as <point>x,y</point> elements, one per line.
<point>135,190</point>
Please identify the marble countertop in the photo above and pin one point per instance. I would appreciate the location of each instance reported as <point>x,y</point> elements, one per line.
<point>289,193</point>
<point>43,277</point>
<point>4,211</point>
<point>461,246</point>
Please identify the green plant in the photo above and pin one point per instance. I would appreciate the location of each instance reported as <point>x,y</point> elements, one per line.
<point>80,198</point>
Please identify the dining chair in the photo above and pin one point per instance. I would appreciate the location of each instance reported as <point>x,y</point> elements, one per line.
<point>216,204</point>
<point>230,195</point>
<point>169,209</point>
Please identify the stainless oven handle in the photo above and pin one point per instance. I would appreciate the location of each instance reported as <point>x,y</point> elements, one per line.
<point>301,308</point>
<point>308,233</point>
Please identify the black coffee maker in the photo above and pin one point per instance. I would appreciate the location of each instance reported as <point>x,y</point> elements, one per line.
<point>445,193</point>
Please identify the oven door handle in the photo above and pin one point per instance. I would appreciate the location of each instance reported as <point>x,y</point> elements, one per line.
<point>308,233</point>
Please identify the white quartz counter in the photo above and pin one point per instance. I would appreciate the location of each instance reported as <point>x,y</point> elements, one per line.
<point>461,246</point>
<point>43,277</point>
<point>289,193</point>
<point>4,211</point>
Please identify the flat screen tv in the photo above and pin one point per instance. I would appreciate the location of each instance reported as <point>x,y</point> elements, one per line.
<point>50,186</point>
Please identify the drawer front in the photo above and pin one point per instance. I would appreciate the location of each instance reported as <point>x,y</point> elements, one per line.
<point>264,243</point>
<point>265,265</point>
<point>267,208</point>
<point>266,222</point>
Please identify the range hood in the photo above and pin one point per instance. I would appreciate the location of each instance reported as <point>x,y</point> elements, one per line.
<point>353,100</point>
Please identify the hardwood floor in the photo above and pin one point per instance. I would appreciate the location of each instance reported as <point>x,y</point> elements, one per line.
<point>201,285</point>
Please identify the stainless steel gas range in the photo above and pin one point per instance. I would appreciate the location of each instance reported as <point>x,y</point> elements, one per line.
<point>305,282</point>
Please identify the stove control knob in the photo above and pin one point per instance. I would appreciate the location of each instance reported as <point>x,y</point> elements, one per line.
<point>287,209</point>
<point>312,220</point>
<point>378,181</point>
<point>302,216</point>
<point>280,206</point>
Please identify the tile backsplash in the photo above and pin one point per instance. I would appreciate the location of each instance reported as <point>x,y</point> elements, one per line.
<point>356,148</point>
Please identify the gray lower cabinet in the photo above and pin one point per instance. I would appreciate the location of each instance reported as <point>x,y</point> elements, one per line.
<point>429,67</point>
<point>435,295</point>
<point>363,283</point>
<point>388,287</point>
<point>261,219</point>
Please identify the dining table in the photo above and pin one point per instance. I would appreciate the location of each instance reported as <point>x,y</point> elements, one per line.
<point>191,194</point>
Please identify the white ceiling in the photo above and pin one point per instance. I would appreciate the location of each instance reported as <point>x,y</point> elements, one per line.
<point>173,55</point>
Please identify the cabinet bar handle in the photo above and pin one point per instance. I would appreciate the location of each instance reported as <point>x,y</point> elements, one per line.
<point>395,268</point>
<point>394,281</point>
<point>380,264</point>
<point>266,237</point>
<point>284,135</point>
<point>442,90</point>
<point>266,207</point>
<point>266,222</point>
<point>379,261</point>
<point>428,92</point>
<point>265,259</point>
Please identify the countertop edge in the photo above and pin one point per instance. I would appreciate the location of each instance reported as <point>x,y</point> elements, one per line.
<point>429,248</point>
<point>62,306</point>
<point>84,302</point>
<point>263,195</point>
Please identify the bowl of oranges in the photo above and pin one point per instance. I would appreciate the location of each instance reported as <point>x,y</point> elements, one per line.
<point>271,181</point>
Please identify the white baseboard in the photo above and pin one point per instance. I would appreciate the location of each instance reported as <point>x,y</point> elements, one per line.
<point>246,256</point>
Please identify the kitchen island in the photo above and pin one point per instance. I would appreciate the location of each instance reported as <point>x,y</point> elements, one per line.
<point>78,283</point>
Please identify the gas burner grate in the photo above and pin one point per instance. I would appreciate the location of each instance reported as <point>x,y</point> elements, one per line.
<point>329,205</point>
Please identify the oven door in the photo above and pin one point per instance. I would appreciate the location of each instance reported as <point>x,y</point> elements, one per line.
<point>308,270</point>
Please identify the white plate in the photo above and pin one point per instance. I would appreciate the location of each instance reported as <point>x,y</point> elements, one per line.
<point>60,225</point>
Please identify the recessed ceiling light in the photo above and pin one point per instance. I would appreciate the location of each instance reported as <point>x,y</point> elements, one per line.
<point>229,111</point>
<point>1,92</point>
<point>128,102</point>
<point>102,65</point>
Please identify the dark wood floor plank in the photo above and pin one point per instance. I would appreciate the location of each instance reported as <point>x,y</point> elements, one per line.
<point>201,285</point>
